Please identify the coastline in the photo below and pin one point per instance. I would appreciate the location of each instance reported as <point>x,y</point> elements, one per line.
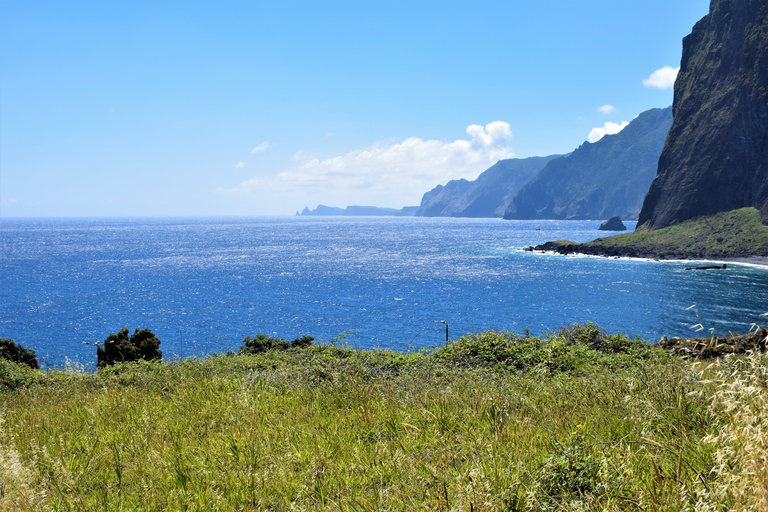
<point>738,236</point>
<point>750,261</point>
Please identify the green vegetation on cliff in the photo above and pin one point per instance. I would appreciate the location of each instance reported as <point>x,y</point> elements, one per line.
<point>577,420</point>
<point>715,158</point>
<point>598,180</point>
<point>728,235</point>
<point>488,195</point>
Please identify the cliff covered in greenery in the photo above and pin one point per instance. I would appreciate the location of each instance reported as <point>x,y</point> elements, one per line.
<point>716,155</point>
<point>487,196</point>
<point>598,180</point>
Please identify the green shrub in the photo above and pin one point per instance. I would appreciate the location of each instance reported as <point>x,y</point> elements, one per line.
<point>18,354</point>
<point>119,348</point>
<point>15,375</point>
<point>565,477</point>
<point>262,343</point>
<point>578,348</point>
<point>493,347</point>
<point>303,342</point>
<point>591,336</point>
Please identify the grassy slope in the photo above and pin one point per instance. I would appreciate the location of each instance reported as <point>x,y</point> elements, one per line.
<point>734,234</point>
<point>493,421</point>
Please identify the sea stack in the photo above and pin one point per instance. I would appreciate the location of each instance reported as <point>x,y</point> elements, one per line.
<point>613,224</point>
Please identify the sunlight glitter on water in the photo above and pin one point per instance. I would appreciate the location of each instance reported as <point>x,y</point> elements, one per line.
<point>212,282</point>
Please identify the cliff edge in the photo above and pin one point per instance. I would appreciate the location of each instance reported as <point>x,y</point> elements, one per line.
<point>715,157</point>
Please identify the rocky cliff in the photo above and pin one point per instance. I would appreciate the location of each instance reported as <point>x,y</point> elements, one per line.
<point>486,196</point>
<point>716,154</point>
<point>598,180</point>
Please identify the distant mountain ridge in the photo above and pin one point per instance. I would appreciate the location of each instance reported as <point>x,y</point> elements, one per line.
<point>716,156</point>
<point>487,196</point>
<point>598,180</point>
<point>357,211</point>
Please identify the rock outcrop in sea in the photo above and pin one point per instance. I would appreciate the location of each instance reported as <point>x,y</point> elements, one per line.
<point>716,155</point>
<point>613,224</point>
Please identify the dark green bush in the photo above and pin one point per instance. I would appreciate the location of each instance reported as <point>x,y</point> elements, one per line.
<point>119,348</point>
<point>18,354</point>
<point>262,343</point>
<point>303,342</point>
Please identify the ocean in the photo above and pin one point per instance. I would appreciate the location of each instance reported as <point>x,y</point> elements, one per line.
<point>203,284</point>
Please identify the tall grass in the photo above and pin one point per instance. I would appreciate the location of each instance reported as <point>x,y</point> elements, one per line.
<point>739,401</point>
<point>579,420</point>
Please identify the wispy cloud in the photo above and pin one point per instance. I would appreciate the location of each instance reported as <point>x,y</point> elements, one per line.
<point>388,172</point>
<point>609,129</point>
<point>302,156</point>
<point>239,165</point>
<point>663,78</point>
<point>262,147</point>
<point>606,109</point>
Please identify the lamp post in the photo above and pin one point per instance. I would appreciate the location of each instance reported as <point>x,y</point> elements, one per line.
<point>446,330</point>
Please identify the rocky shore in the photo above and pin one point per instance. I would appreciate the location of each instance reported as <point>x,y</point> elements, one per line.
<point>613,251</point>
<point>736,236</point>
<point>609,251</point>
<point>710,348</point>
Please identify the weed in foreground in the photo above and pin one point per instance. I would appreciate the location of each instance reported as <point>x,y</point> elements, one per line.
<point>739,401</point>
<point>588,422</point>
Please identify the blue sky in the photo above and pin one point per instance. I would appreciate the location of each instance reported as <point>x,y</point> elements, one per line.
<point>261,108</point>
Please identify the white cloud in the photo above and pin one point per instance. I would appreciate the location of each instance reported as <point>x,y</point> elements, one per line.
<point>386,173</point>
<point>663,78</point>
<point>239,165</point>
<point>301,156</point>
<point>262,147</point>
<point>606,109</point>
<point>609,129</point>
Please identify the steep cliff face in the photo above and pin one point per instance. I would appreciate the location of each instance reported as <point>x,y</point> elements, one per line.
<point>715,157</point>
<point>487,196</point>
<point>599,180</point>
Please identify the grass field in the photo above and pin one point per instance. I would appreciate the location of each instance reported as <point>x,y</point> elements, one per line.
<point>577,420</point>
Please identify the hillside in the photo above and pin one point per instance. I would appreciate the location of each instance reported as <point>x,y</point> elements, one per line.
<point>486,196</point>
<point>716,156</point>
<point>734,235</point>
<point>598,180</point>
<point>576,420</point>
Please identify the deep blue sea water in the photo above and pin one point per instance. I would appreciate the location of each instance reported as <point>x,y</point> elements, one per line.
<point>203,284</point>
